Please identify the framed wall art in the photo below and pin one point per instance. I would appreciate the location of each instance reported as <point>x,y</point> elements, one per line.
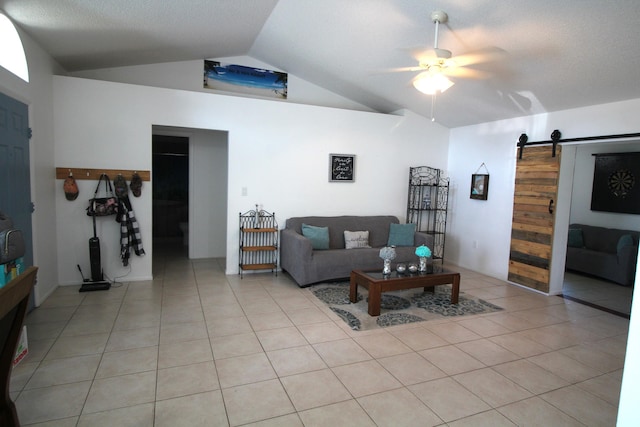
<point>246,80</point>
<point>479,186</point>
<point>342,167</point>
<point>615,183</point>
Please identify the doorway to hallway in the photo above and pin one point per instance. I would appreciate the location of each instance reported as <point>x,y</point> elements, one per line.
<point>171,192</point>
<point>199,227</point>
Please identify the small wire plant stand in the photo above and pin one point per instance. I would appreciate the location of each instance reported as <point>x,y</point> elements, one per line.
<point>258,246</point>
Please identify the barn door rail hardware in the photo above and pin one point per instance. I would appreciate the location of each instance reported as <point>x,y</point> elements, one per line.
<point>556,139</point>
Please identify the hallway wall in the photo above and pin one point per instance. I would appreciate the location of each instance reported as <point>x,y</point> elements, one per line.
<point>278,152</point>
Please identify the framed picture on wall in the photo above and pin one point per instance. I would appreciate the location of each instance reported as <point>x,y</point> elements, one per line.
<point>615,183</point>
<point>479,186</point>
<point>342,167</point>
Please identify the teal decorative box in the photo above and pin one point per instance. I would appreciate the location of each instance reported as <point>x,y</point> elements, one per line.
<point>10,270</point>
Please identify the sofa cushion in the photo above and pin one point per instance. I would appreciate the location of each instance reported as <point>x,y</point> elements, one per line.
<point>377,226</point>
<point>625,240</point>
<point>356,239</point>
<point>575,238</point>
<point>319,236</point>
<point>401,234</point>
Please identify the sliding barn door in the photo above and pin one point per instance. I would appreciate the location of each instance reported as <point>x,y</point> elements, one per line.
<point>532,226</point>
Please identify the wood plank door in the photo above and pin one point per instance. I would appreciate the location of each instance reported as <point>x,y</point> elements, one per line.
<point>532,226</point>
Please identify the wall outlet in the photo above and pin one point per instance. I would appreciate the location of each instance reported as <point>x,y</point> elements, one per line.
<point>475,244</point>
<point>244,191</point>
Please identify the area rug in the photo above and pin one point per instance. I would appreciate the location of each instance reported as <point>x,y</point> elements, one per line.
<point>398,307</point>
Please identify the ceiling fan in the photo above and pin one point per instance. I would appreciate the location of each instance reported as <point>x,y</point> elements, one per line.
<point>437,64</point>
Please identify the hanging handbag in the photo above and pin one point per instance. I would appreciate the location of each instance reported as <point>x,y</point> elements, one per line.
<point>103,206</point>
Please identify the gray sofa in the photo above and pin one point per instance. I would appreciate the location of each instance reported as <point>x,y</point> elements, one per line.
<point>608,253</point>
<point>308,266</point>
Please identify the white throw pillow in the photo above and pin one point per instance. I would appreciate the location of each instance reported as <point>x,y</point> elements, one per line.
<point>356,239</point>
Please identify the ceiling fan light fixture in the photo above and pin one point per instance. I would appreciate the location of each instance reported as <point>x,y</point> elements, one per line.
<point>432,83</point>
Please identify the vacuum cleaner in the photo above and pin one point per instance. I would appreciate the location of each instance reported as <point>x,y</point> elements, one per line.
<point>97,282</point>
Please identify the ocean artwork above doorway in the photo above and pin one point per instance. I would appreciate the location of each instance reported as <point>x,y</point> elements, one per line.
<point>245,80</point>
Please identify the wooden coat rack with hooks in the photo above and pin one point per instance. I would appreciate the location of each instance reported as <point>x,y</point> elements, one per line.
<point>94,174</point>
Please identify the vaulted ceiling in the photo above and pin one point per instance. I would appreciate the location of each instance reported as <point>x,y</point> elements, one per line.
<point>557,54</point>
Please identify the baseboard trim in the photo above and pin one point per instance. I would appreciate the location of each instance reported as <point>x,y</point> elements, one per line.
<point>597,307</point>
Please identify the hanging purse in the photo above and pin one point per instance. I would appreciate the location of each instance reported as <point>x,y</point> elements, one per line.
<point>103,206</point>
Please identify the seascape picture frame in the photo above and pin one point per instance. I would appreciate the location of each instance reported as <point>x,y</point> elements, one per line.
<point>245,80</point>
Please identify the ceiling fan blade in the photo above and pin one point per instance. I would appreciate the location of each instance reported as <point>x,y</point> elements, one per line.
<point>396,70</point>
<point>483,55</point>
<point>405,69</point>
<point>422,54</point>
<point>466,73</point>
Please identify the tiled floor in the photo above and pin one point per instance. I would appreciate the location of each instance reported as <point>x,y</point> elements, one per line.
<point>197,348</point>
<point>599,292</point>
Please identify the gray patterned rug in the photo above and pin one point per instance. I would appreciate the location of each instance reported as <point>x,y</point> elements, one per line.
<point>398,307</point>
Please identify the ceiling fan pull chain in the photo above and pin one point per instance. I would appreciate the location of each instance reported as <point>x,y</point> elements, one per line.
<point>433,107</point>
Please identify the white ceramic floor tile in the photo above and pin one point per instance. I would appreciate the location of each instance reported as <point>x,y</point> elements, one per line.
<point>185,380</point>
<point>195,346</point>
<point>64,371</point>
<point>255,402</point>
<point>132,416</point>
<point>120,392</point>
<point>197,410</point>
<point>51,403</point>
<point>239,370</point>
<point>296,360</point>
<point>336,414</point>
<point>398,408</point>
<point>313,389</point>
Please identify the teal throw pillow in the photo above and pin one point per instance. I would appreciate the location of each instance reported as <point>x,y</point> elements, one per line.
<point>401,234</point>
<point>575,238</point>
<point>625,240</point>
<point>319,236</point>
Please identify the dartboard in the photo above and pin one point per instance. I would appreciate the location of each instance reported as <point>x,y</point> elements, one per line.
<point>620,182</point>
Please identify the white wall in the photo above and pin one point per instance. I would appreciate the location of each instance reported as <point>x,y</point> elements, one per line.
<point>581,212</point>
<point>208,196</point>
<point>187,75</point>
<point>277,150</point>
<point>629,400</point>
<point>37,95</point>
<point>489,222</point>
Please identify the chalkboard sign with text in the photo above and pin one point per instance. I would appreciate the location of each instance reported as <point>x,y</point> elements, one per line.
<point>342,167</point>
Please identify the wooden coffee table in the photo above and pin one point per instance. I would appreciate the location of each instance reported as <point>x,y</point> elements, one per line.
<point>377,283</point>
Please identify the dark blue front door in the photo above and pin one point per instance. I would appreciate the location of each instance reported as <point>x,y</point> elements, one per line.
<point>15,187</point>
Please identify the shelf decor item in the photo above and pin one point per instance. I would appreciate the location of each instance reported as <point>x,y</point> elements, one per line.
<point>401,268</point>
<point>257,218</point>
<point>387,254</point>
<point>423,253</point>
